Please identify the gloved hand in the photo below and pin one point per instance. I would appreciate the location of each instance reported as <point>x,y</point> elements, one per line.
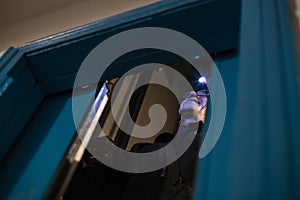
<point>191,107</point>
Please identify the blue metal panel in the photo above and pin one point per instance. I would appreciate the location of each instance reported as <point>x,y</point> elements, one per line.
<point>50,65</point>
<point>28,169</point>
<point>258,154</point>
<point>214,169</point>
<point>60,56</point>
<point>19,97</point>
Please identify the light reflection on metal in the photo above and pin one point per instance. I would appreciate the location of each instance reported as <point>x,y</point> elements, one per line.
<point>87,129</point>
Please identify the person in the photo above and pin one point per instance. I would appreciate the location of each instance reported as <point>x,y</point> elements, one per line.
<point>191,107</point>
<point>176,181</point>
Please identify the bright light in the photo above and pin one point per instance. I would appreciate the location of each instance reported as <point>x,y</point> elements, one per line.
<point>202,80</point>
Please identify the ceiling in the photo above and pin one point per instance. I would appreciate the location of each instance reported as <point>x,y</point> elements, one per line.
<point>13,11</point>
<point>25,21</point>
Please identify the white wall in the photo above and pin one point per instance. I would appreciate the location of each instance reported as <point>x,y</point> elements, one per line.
<point>295,17</point>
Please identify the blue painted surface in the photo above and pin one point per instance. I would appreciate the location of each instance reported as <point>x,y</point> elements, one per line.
<point>214,169</point>
<point>15,108</point>
<point>257,155</point>
<point>27,171</point>
<point>60,56</point>
<point>52,64</point>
